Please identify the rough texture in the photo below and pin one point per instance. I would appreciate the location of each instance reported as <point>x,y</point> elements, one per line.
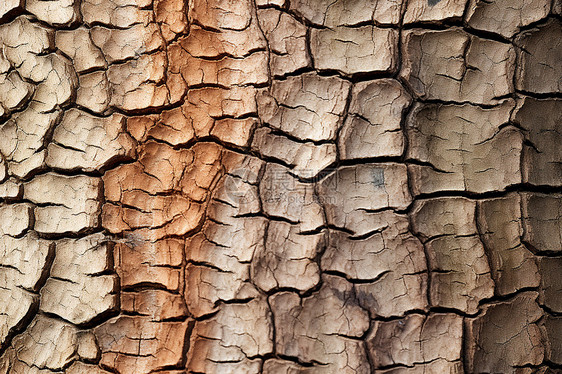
<point>280,187</point>
<point>452,65</point>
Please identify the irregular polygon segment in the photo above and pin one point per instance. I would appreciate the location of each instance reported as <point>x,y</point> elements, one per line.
<point>206,111</point>
<point>141,83</point>
<point>460,273</point>
<point>505,335</point>
<point>76,289</point>
<point>203,43</point>
<point>159,169</point>
<point>78,45</point>
<point>433,10</point>
<point>22,137</point>
<point>542,222</point>
<point>53,73</point>
<point>47,343</point>
<point>117,13</point>
<point>286,38</point>
<point>468,147</point>
<point>54,12</point>
<point>225,251</point>
<point>367,188</point>
<point>234,15</point>
<point>348,13</point>
<point>206,287</point>
<point>416,339</point>
<point>322,328</point>
<point>159,305</point>
<point>84,141</point>
<point>283,196</point>
<point>365,49</point>
<point>222,251</point>
<point>38,38</point>
<point>121,44</point>
<point>233,131</point>
<point>138,261</point>
<point>24,264</point>
<point>363,222</point>
<point>389,249</point>
<point>308,106</point>
<point>542,119</point>
<point>238,187</point>
<point>553,347</point>
<point>171,16</point>
<point>394,294</point>
<point>451,65</point>
<point>15,219</point>
<point>14,92</point>
<point>482,15</point>
<point>25,261</point>
<point>227,71</point>
<point>443,216</point>
<point>8,6</point>
<point>225,341</point>
<point>162,215</point>
<point>551,283</point>
<point>287,259</point>
<point>72,202</point>
<point>513,265</point>
<point>305,158</point>
<point>372,128</point>
<point>390,258</point>
<point>93,92</point>
<point>137,344</point>
<point>538,59</point>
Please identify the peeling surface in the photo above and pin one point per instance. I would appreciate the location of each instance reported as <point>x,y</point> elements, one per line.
<point>280,187</point>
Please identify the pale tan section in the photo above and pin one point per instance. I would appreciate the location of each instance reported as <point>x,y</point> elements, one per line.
<point>373,128</point>
<point>451,65</point>
<point>484,16</point>
<point>459,269</point>
<point>365,49</point>
<point>433,11</point>
<point>272,186</point>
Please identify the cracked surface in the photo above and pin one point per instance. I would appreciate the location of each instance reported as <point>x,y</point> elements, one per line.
<point>280,187</point>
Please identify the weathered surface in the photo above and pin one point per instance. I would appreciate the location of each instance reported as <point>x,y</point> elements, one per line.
<point>373,127</point>
<point>483,15</point>
<point>350,51</point>
<point>539,51</point>
<point>452,65</point>
<point>70,204</point>
<point>415,340</point>
<point>280,187</point>
<point>505,335</point>
<point>463,147</point>
<point>543,158</point>
<point>513,266</point>
<point>459,270</point>
<point>323,327</point>
<point>433,11</point>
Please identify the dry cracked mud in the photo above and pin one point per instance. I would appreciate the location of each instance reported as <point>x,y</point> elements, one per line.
<point>280,186</point>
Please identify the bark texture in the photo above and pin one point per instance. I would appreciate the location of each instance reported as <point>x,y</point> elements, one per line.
<point>280,187</point>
